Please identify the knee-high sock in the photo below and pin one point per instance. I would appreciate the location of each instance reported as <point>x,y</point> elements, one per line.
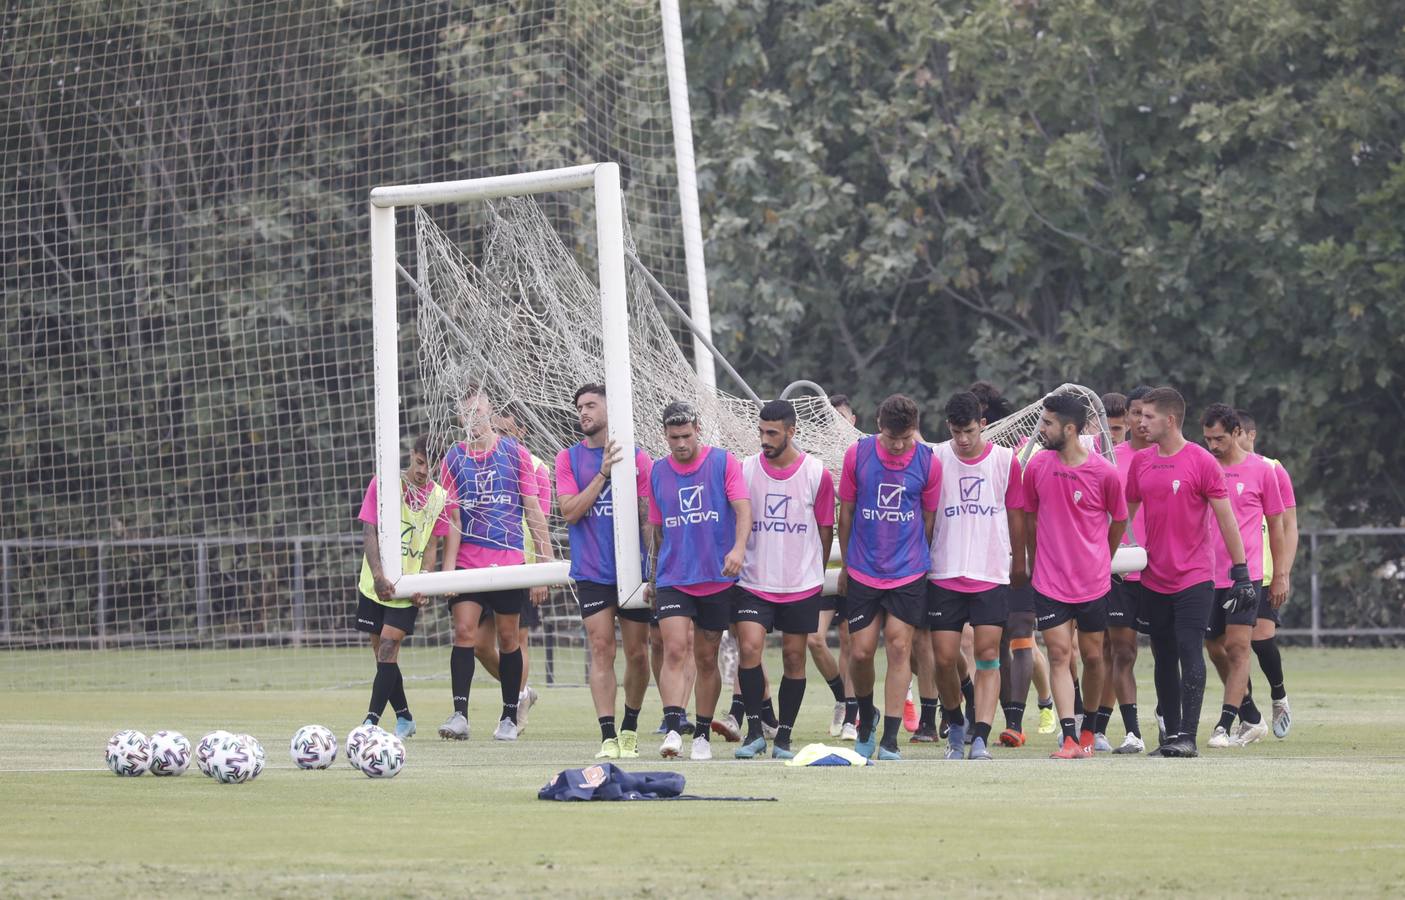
<point>386,674</point>
<point>753,684</point>
<point>510,671</point>
<point>791,693</point>
<point>461,665</point>
<point>398,702</point>
<point>1271,661</point>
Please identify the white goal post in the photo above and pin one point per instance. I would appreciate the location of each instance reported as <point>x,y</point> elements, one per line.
<point>603,179</point>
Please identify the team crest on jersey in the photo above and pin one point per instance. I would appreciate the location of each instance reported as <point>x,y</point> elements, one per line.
<point>1077,495</point>
<point>1176,486</point>
<point>690,505</point>
<point>889,502</point>
<point>1239,487</point>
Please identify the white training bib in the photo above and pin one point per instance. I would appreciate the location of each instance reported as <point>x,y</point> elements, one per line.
<point>783,550</point>
<point>972,536</point>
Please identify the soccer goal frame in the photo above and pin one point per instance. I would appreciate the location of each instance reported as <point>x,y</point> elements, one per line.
<point>603,180</point>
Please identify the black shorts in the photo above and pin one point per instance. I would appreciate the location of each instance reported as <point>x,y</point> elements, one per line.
<point>1266,610</point>
<point>594,597</point>
<point>1123,602</point>
<point>795,617</point>
<point>710,613</point>
<point>1219,619</point>
<point>1187,608</point>
<point>1091,615</point>
<point>949,610</point>
<point>503,603</point>
<point>531,615</point>
<point>1019,600</point>
<point>371,616</point>
<point>837,603</point>
<point>906,601</point>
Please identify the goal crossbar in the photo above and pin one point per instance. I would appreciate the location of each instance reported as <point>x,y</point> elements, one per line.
<point>603,179</point>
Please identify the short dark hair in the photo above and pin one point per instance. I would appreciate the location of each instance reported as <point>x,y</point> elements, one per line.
<point>993,403</point>
<point>1068,409</point>
<point>963,408</point>
<point>1221,414</point>
<point>421,446</point>
<point>1137,393</point>
<point>591,388</point>
<point>680,412</point>
<point>897,414</point>
<point>779,411</point>
<point>838,400</point>
<point>1114,405</point>
<point>1168,400</point>
<point>1246,420</point>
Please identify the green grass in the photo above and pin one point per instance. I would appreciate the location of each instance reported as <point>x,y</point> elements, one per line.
<point>1319,813</point>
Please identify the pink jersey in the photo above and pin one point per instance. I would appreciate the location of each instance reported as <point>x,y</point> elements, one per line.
<point>736,490</point>
<point>477,556</point>
<point>1253,495</point>
<point>954,467</point>
<point>848,493</point>
<point>1285,486</point>
<point>1123,453</point>
<point>788,506</point>
<point>566,479</point>
<point>1175,493</point>
<point>1073,506</point>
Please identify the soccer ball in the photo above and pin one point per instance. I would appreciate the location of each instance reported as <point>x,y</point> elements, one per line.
<point>128,753</point>
<point>313,747</point>
<point>255,749</point>
<point>232,761</point>
<point>205,750</point>
<point>170,753</point>
<point>358,736</point>
<point>382,755</point>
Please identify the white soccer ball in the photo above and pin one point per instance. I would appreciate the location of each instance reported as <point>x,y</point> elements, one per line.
<point>313,747</point>
<point>255,749</point>
<point>382,755</point>
<point>358,736</point>
<point>128,753</point>
<point>232,761</point>
<point>205,750</point>
<point>170,753</point>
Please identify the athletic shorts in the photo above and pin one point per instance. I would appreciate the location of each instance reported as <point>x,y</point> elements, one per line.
<point>503,603</point>
<point>710,613</point>
<point>594,597</point>
<point>1189,608</point>
<point>531,616</point>
<point>1266,610</point>
<point>1219,619</point>
<point>1019,600</point>
<point>906,601</point>
<point>372,616</point>
<point>837,603</point>
<point>795,617</point>
<point>1123,602</point>
<point>1091,615</point>
<point>949,610</point>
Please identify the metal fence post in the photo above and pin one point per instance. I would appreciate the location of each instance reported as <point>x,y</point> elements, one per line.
<point>299,602</point>
<point>202,588</point>
<point>1316,593</point>
<point>102,596</point>
<point>5,589</point>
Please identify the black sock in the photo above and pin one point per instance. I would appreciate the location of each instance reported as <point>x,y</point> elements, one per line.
<point>982,731</point>
<point>1078,699</point>
<point>851,710</point>
<point>792,693</point>
<point>1069,729</point>
<point>866,714</point>
<point>1129,718</point>
<point>510,671</point>
<point>753,683</point>
<point>1271,661</point>
<point>461,665</point>
<point>891,724</point>
<point>1227,714</point>
<point>768,714</point>
<point>928,719</point>
<point>673,718</point>
<point>380,689</point>
<point>968,690</point>
<point>1014,717</point>
<point>836,685</point>
<point>1046,703</point>
<point>738,710</point>
<point>953,717</point>
<point>630,722</point>
<point>397,697</point>
<point>1249,712</point>
<point>607,727</point>
<point>1104,715</point>
<point>702,727</point>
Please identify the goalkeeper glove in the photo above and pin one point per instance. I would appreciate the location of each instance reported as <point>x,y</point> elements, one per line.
<point>1244,594</point>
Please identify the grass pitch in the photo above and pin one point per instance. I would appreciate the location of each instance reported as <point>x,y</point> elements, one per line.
<point>1319,813</point>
